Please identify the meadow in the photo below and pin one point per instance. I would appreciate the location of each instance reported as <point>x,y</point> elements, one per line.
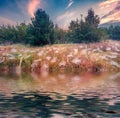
<point>61,58</point>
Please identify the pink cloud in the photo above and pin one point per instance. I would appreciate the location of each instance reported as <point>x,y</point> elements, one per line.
<point>111,10</point>
<point>66,18</point>
<point>113,17</point>
<point>5,21</point>
<point>109,4</point>
<point>32,6</point>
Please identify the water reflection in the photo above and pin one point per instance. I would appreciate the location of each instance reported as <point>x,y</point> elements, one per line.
<point>60,96</point>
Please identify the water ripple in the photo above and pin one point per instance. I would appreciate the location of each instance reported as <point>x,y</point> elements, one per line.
<point>90,96</point>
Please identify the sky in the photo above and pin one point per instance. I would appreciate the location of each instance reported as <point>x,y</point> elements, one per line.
<point>61,12</point>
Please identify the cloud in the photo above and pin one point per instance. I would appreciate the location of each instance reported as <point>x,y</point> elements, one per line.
<point>32,6</point>
<point>111,9</point>
<point>64,19</point>
<point>112,12</point>
<point>6,21</point>
<point>70,4</point>
<point>108,3</point>
<point>111,18</point>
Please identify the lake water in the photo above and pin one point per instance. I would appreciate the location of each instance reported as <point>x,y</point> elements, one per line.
<point>84,95</point>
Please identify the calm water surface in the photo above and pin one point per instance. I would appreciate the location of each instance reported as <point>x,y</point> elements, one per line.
<point>60,96</point>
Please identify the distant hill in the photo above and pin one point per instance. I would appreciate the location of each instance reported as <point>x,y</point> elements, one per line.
<point>114,23</point>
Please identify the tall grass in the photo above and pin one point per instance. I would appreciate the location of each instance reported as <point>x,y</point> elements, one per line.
<point>66,58</point>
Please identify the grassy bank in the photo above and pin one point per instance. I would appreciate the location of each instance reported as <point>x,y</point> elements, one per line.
<point>103,56</point>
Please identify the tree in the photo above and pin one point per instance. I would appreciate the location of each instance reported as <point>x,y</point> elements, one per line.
<point>92,19</point>
<point>59,35</point>
<point>75,31</point>
<point>7,34</point>
<point>113,32</point>
<point>74,25</point>
<point>41,30</point>
<point>21,32</point>
<point>116,33</point>
<point>91,22</point>
<point>85,31</point>
<point>13,34</point>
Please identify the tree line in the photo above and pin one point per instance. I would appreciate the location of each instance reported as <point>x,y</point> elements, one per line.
<point>42,31</point>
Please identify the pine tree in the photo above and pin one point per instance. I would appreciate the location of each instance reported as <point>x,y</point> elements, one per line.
<point>41,29</point>
<point>92,19</point>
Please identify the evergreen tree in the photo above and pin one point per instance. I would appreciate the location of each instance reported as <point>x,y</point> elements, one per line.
<point>92,19</point>
<point>113,32</point>
<point>21,32</point>
<point>41,30</point>
<point>116,33</point>
<point>59,35</point>
<point>85,31</point>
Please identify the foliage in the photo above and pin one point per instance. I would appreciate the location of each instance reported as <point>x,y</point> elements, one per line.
<point>92,19</point>
<point>60,35</point>
<point>13,34</point>
<point>21,32</point>
<point>87,30</point>
<point>114,32</point>
<point>41,29</point>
